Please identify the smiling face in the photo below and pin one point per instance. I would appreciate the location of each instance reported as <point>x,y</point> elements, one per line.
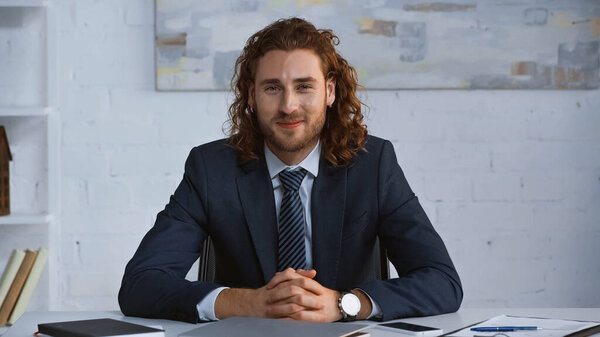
<point>290,96</point>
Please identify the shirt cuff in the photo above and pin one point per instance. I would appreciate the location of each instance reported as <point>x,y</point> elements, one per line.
<point>376,310</point>
<point>206,307</point>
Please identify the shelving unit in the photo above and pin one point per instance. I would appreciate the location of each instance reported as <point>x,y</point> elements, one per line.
<point>31,219</point>
<point>49,112</point>
<point>24,112</point>
<point>25,3</point>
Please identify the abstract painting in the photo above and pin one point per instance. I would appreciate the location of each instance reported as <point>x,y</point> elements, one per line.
<point>395,44</point>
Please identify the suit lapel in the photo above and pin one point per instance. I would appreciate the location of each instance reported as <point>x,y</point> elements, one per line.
<point>328,204</point>
<point>256,194</point>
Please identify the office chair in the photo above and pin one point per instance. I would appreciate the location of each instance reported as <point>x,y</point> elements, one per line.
<point>206,268</point>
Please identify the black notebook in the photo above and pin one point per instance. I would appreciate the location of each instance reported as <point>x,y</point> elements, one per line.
<point>103,327</point>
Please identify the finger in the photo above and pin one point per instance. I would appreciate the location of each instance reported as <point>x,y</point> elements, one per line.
<point>307,273</point>
<point>283,310</point>
<point>308,301</point>
<point>297,296</point>
<point>283,293</point>
<point>310,315</point>
<point>282,276</point>
<point>294,287</point>
<point>307,284</point>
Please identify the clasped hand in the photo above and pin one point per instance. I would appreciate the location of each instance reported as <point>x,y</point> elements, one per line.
<point>296,295</point>
<point>290,294</point>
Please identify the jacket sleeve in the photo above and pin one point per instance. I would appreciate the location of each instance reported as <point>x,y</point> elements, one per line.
<point>154,283</point>
<point>428,283</point>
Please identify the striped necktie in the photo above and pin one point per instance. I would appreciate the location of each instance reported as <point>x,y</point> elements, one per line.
<point>292,252</point>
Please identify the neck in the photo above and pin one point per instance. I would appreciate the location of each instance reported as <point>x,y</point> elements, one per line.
<point>292,158</point>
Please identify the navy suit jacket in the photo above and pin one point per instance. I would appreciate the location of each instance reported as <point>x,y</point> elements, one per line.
<point>234,204</point>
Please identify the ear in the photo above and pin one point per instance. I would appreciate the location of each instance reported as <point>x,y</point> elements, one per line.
<point>251,100</point>
<point>330,87</point>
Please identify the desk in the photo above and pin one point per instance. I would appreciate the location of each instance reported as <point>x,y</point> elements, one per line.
<point>27,324</point>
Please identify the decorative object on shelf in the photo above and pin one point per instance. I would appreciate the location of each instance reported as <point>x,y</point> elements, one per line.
<point>5,157</point>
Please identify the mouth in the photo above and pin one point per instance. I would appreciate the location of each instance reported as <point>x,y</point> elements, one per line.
<point>290,125</point>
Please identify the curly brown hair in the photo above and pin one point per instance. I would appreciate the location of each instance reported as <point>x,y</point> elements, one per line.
<point>343,134</point>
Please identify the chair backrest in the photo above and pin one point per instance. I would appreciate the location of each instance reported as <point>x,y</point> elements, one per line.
<point>206,268</point>
<point>384,263</point>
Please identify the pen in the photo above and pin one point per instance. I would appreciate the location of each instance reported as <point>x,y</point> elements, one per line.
<point>504,328</point>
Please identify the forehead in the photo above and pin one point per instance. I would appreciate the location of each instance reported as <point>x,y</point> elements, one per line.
<point>282,65</point>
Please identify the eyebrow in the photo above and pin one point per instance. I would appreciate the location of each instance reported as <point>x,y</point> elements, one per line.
<point>296,80</point>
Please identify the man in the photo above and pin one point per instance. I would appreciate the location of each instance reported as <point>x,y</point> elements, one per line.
<point>294,201</point>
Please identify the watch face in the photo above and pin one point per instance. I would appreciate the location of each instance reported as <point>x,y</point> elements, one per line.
<point>351,304</point>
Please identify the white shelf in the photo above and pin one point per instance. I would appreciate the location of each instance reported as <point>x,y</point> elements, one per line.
<point>49,110</point>
<point>6,111</point>
<point>25,219</point>
<point>24,3</point>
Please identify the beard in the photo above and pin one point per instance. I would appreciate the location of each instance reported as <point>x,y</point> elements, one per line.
<point>285,144</point>
<point>309,137</point>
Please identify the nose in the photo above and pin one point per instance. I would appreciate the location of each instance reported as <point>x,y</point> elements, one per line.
<point>289,102</point>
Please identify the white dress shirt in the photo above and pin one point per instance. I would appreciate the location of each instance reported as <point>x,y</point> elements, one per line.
<point>206,307</point>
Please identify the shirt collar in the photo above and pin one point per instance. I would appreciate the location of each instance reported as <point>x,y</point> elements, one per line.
<point>310,163</point>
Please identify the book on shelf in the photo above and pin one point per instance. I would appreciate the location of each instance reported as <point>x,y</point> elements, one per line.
<point>27,291</point>
<point>16,286</point>
<point>102,327</point>
<point>23,283</point>
<point>10,271</point>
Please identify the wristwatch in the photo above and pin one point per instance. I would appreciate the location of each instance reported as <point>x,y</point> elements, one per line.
<point>349,305</point>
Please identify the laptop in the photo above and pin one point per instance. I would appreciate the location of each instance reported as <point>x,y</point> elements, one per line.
<point>266,327</point>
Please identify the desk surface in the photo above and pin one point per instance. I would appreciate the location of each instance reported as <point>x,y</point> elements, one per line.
<point>27,324</point>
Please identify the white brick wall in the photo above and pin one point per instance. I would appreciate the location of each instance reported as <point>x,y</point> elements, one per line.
<point>511,179</point>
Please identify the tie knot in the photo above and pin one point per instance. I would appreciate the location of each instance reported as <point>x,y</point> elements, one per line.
<point>292,180</point>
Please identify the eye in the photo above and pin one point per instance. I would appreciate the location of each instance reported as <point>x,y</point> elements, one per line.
<point>271,88</point>
<point>304,87</point>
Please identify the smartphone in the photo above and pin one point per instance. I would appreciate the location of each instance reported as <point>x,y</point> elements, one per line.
<point>411,329</point>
